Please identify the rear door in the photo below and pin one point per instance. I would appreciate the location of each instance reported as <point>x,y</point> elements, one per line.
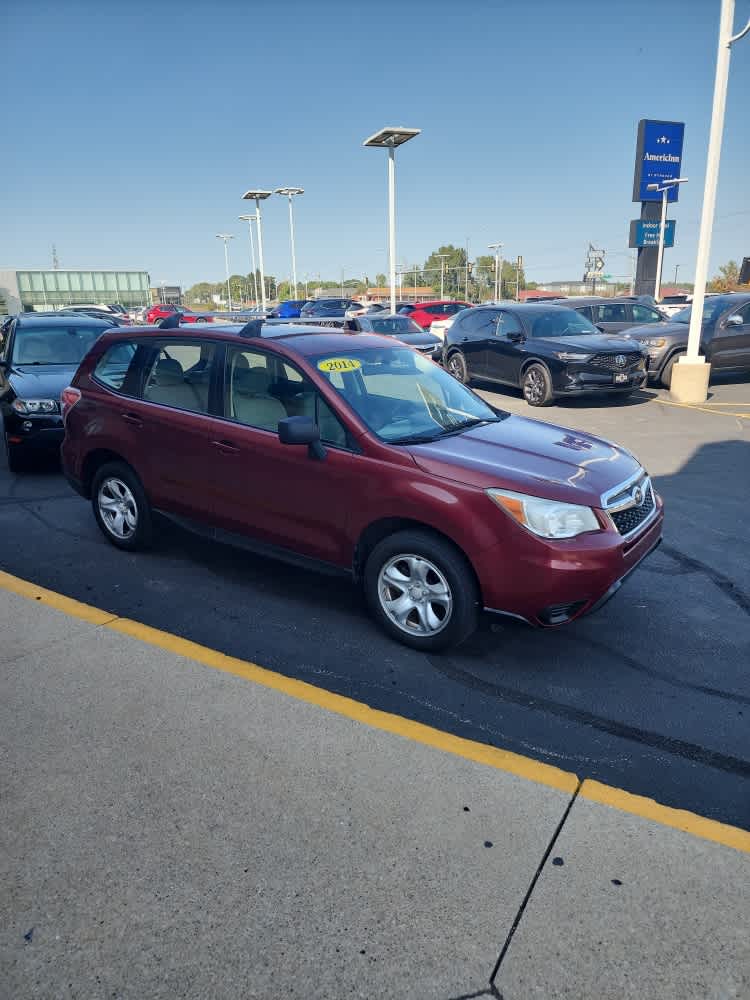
<point>503,354</point>
<point>730,345</point>
<point>471,333</point>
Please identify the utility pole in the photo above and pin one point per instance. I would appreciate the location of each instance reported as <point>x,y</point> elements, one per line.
<point>467,269</point>
<point>676,269</point>
<point>497,247</point>
<point>442,257</point>
<point>519,267</point>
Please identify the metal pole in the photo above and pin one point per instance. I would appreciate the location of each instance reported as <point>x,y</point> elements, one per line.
<point>260,258</point>
<point>252,259</point>
<point>633,258</point>
<point>226,269</point>
<point>442,276</point>
<point>497,274</point>
<point>467,268</point>
<point>392,223</point>
<point>712,172</point>
<point>660,255</point>
<point>676,269</point>
<point>291,233</point>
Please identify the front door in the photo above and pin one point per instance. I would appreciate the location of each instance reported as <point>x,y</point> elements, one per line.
<point>274,492</point>
<point>730,345</point>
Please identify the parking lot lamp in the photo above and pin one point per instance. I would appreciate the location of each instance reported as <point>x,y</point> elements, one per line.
<point>388,138</point>
<point>226,237</point>
<point>258,196</point>
<point>497,247</point>
<point>290,192</point>
<point>664,190</point>
<point>442,257</point>
<point>689,382</point>
<point>250,219</point>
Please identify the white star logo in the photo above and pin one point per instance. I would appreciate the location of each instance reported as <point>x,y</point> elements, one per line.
<point>663,140</point>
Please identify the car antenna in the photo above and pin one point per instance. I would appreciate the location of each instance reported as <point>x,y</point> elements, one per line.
<point>252,329</point>
<point>169,322</point>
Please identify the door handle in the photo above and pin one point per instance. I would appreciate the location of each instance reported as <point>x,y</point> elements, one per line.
<point>132,419</point>
<point>226,447</point>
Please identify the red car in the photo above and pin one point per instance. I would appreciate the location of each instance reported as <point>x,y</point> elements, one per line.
<point>161,311</point>
<point>359,453</point>
<point>426,313</point>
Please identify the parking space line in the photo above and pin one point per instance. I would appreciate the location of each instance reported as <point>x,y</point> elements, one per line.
<point>704,409</point>
<point>481,753</point>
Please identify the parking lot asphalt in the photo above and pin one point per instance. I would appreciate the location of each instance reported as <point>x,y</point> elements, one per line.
<point>650,694</point>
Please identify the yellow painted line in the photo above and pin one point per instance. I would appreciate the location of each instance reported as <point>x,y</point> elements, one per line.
<point>54,600</point>
<point>501,760</point>
<point>678,819</point>
<point>703,409</point>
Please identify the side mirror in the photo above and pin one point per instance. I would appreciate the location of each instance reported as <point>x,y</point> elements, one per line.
<point>302,430</point>
<point>735,320</point>
<point>516,337</point>
<point>601,329</point>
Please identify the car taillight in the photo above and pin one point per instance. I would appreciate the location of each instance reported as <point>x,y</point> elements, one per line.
<point>68,399</point>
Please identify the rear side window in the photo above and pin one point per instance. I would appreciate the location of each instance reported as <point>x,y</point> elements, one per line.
<point>180,376</point>
<point>113,366</point>
<point>614,313</point>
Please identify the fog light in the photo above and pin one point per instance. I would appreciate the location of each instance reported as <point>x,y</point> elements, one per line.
<point>27,425</point>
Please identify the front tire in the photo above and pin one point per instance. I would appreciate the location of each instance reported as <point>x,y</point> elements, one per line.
<point>456,365</point>
<point>421,591</point>
<point>121,507</point>
<point>536,385</point>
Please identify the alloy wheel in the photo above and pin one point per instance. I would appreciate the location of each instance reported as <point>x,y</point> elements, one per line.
<point>415,595</point>
<point>533,386</point>
<point>117,507</point>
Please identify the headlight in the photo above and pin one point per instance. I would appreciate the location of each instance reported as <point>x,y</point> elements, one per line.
<point>654,342</point>
<point>27,406</point>
<point>571,356</point>
<point>546,518</point>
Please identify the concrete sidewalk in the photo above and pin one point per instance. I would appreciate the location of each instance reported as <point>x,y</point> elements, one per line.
<point>171,830</point>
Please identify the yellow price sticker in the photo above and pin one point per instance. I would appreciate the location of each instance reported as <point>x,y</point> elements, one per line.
<point>339,365</point>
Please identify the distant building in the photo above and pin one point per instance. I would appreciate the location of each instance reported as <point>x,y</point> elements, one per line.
<point>27,290</point>
<point>407,293</point>
<point>166,295</point>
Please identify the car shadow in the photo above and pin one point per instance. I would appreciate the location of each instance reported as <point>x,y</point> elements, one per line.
<point>593,402</point>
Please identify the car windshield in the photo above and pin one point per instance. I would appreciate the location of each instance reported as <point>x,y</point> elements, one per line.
<point>711,309</point>
<point>392,326</point>
<point>401,396</point>
<point>54,345</point>
<point>561,323</point>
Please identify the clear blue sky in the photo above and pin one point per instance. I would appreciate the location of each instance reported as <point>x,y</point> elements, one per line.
<point>131,130</point>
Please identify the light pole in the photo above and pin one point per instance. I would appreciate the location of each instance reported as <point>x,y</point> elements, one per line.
<point>442,257</point>
<point>226,237</point>
<point>497,247</point>
<point>689,383</point>
<point>290,193</point>
<point>250,219</point>
<point>664,190</point>
<point>258,196</point>
<point>389,138</point>
<point>676,269</point>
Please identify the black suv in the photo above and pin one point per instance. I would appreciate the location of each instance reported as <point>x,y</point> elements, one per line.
<point>326,307</point>
<point>546,350</point>
<point>40,355</point>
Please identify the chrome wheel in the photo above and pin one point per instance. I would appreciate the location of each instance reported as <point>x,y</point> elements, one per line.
<point>415,595</point>
<point>534,388</point>
<point>117,507</point>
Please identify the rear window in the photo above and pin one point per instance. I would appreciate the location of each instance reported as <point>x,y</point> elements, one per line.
<point>113,366</point>
<point>54,345</point>
<point>393,325</point>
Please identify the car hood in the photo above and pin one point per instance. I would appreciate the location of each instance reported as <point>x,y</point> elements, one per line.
<point>589,342</point>
<point>649,330</point>
<point>529,456</point>
<point>41,381</point>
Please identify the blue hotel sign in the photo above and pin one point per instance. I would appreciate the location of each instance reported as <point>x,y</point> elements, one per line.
<point>658,158</point>
<point>645,233</point>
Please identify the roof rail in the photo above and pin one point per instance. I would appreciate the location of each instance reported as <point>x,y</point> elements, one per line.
<point>252,329</point>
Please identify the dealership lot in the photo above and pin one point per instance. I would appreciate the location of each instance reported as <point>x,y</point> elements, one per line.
<point>649,694</point>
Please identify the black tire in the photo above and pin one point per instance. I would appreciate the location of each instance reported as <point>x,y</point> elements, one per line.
<point>17,461</point>
<point>456,365</point>
<point>446,561</point>
<point>536,385</point>
<point>666,375</point>
<point>138,536</point>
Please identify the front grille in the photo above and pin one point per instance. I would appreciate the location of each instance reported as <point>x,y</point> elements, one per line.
<point>630,518</point>
<point>609,363</point>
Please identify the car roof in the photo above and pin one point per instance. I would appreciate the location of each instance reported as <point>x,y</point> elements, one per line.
<point>44,319</point>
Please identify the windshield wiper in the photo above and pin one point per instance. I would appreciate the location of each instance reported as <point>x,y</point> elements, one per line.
<point>416,438</point>
<point>474,422</point>
<point>444,431</point>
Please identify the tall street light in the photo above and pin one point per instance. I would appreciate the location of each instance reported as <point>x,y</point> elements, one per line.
<point>258,196</point>
<point>664,190</point>
<point>226,237</point>
<point>497,247</point>
<point>689,383</point>
<point>250,219</point>
<point>442,257</point>
<point>389,138</point>
<point>290,193</point>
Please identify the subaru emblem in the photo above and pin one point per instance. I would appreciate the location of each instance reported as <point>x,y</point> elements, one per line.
<point>637,496</point>
<point>621,360</point>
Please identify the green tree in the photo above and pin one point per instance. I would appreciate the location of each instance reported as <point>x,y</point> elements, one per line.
<point>452,266</point>
<point>728,278</point>
<point>380,280</point>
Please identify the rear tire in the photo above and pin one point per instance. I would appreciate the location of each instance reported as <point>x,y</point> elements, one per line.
<point>121,507</point>
<point>421,591</point>
<point>536,385</point>
<point>456,365</point>
<point>666,375</point>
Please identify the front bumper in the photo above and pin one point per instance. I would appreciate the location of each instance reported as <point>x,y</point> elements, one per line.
<point>34,432</point>
<point>574,382</point>
<point>553,584</point>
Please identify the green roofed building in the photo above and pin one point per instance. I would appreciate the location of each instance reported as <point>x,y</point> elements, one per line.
<point>29,289</point>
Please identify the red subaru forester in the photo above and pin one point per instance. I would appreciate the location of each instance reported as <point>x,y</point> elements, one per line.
<point>359,453</point>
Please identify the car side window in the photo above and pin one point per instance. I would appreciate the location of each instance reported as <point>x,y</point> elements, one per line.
<point>645,314</point>
<point>508,323</point>
<point>586,311</point>
<point>614,312</point>
<point>261,390</point>
<point>434,310</point>
<point>180,375</point>
<point>113,366</point>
